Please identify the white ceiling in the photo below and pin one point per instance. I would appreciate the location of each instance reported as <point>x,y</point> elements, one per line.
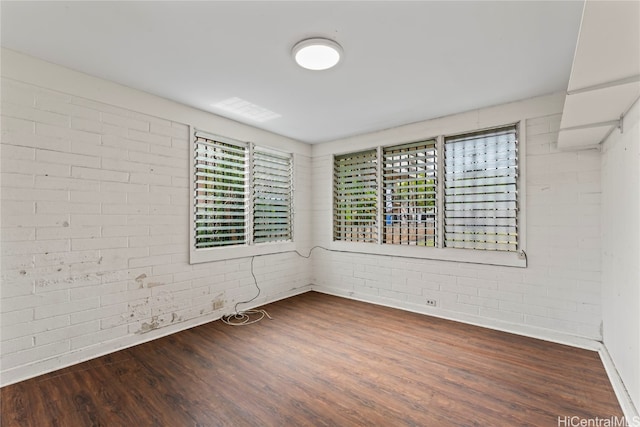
<point>404,61</point>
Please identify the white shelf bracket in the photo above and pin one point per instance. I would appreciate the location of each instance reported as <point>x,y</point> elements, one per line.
<point>621,123</point>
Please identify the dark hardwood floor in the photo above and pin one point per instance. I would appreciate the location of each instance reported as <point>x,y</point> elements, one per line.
<point>323,361</point>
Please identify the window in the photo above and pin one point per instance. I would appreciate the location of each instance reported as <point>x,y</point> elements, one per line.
<point>356,197</point>
<point>221,193</point>
<point>409,176</point>
<point>452,192</point>
<point>242,193</point>
<point>481,195</point>
<point>271,196</point>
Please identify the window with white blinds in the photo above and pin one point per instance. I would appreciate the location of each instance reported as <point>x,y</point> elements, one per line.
<point>271,196</point>
<point>220,193</point>
<point>481,190</point>
<point>242,193</point>
<point>446,193</point>
<point>355,214</point>
<point>409,189</point>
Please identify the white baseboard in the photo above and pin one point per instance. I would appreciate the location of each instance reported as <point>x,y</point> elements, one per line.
<point>628,408</point>
<point>45,366</point>
<point>499,325</point>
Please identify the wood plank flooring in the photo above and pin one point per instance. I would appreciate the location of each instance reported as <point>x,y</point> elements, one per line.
<point>323,361</point>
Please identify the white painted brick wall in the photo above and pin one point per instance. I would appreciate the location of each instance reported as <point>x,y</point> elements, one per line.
<point>621,251</point>
<point>560,289</point>
<point>95,222</point>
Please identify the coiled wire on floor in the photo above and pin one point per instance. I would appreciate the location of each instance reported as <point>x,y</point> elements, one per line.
<point>246,317</point>
<point>251,316</point>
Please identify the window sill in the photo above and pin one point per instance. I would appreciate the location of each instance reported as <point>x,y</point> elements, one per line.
<point>506,259</point>
<point>223,253</point>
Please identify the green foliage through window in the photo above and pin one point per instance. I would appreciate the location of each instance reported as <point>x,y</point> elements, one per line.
<point>242,194</point>
<point>460,192</point>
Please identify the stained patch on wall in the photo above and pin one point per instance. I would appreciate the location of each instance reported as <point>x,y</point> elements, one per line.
<point>147,327</point>
<point>218,302</point>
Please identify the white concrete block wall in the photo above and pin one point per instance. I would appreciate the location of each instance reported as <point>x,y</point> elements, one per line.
<point>559,291</point>
<point>95,233</point>
<point>621,251</point>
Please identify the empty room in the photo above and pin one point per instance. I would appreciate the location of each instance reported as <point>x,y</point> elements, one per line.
<point>319,213</point>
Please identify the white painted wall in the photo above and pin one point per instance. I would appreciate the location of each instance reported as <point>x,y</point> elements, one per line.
<point>557,296</point>
<point>621,250</point>
<point>95,220</point>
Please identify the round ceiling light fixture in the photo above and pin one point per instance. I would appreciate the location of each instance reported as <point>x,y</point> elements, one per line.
<point>317,54</point>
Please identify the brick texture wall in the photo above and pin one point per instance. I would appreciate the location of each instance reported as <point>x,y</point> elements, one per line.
<point>95,232</point>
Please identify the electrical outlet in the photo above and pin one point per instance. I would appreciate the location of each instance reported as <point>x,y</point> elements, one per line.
<point>218,304</point>
<point>431,302</point>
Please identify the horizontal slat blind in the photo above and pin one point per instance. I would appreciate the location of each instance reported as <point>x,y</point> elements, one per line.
<point>220,193</point>
<point>355,208</point>
<point>409,188</point>
<point>481,190</point>
<point>271,196</point>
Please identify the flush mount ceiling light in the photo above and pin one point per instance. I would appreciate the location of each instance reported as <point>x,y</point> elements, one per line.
<point>317,54</point>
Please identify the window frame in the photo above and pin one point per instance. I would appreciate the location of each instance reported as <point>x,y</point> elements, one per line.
<point>250,247</point>
<point>462,255</point>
